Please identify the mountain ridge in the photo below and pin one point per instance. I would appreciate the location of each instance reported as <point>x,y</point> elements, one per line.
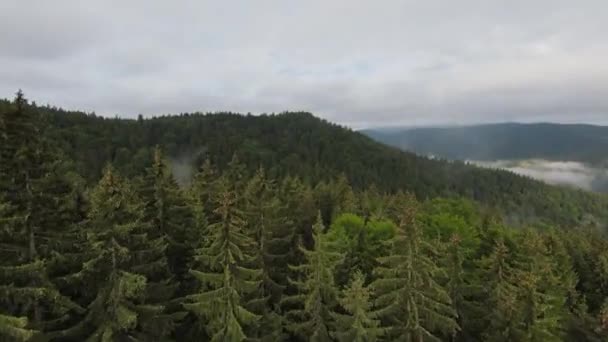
<point>315,150</point>
<point>573,142</point>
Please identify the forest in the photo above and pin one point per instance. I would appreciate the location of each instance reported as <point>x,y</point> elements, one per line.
<point>288,229</point>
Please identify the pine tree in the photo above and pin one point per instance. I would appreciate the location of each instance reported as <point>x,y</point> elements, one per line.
<point>224,275</point>
<point>360,323</point>
<point>542,292</point>
<point>11,327</point>
<point>311,308</point>
<point>272,234</point>
<point>300,211</point>
<point>463,288</point>
<point>33,214</point>
<point>168,215</point>
<point>413,306</point>
<point>202,191</point>
<point>501,296</point>
<point>125,259</point>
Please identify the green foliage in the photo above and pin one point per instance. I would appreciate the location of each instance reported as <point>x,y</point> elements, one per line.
<point>224,275</point>
<point>300,145</point>
<point>123,268</point>
<point>413,306</point>
<point>360,323</point>
<point>310,309</point>
<point>14,329</point>
<point>168,216</point>
<point>233,245</point>
<point>360,242</point>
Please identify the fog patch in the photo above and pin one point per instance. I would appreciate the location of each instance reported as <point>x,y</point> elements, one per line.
<point>184,164</point>
<point>569,173</point>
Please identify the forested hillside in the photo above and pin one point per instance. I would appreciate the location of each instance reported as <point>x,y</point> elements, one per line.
<point>582,143</point>
<point>288,229</point>
<point>299,144</point>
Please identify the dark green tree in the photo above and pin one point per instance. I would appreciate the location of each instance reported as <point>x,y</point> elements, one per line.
<point>310,309</point>
<point>360,323</point>
<point>272,233</point>
<point>168,215</point>
<point>543,290</point>
<point>224,274</point>
<point>35,210</point>
<point>125,270</point>
<point>413,306</point>
<point>504,321</point>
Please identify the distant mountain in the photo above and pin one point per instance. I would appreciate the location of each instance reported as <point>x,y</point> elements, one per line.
<point>505,141</point>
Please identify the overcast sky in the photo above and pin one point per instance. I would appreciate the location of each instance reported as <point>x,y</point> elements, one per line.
<point>359,63</point>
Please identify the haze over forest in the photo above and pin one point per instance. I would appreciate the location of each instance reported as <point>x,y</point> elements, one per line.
<point>214,171</point>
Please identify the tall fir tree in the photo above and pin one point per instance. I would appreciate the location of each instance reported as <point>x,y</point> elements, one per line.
<point>463,287</point>
<point>122,273</point>
<point>272,233</point>
<point>33,214</point>
<point>542,290</point>
<point>360,323</point>
<point>223,273</point>
<point>501,296</point>
<point>310,309</point>
<point>413,306</point>
<point>168,215</point>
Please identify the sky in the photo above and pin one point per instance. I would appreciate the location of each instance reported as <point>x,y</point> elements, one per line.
<point>358,63</point>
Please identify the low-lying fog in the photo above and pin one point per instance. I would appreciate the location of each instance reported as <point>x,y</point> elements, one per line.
<point>568,173</point>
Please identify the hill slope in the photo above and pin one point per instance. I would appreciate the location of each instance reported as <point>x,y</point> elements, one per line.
<point>582,143</point>
<point>313,149</point>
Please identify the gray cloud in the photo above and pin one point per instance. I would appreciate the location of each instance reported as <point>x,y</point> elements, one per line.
<point>359,63</point>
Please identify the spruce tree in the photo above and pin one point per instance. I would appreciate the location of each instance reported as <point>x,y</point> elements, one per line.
<point>32,216</point>
<point>300,211</point>
<point>272,233</point>
<point>360,323</point>
<point>501,296</point>
<point>464,289</point>
<point>413,306</point>
<point>541,289</point>
<point>201,193</point>
<point>223,273</point>
<point>122,272</point>
<point>310,308</point>
<point>168,216</point>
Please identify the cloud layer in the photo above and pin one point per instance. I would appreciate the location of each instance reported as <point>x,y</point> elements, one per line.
<point>359,63</point>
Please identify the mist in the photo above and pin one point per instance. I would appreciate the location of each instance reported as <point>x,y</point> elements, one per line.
<point>184,164</point>
<point>567,173</point>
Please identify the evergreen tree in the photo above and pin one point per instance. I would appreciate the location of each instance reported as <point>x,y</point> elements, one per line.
<point>168,215</point>
<point>301,212</point>
<point>360,324</point>
<point>542,291</point>
<point>272,234</point>
<point>464,289</point>
<point>226,280</point>
<point>33,212</point>
<point>202,191</point>
<point>310,309</point>
<point>123,272</point>
<point>501,296</point>
<point>413,306</point>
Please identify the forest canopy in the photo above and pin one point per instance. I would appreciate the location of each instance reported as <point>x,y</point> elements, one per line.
<point>226,227</point>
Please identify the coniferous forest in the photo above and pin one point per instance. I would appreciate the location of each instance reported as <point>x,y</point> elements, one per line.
<point>286,228</point>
